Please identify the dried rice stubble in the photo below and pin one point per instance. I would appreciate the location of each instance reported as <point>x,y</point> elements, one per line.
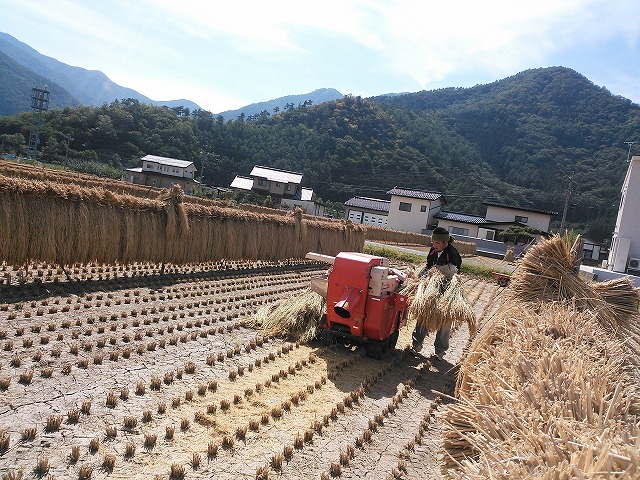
<point>297,316</point>
<point>423,306</point>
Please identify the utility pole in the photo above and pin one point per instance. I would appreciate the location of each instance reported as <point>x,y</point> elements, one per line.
<point>566,204</point>
<point>629,152</point>
<point>39,104</point>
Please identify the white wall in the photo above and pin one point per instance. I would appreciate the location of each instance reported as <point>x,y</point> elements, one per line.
<point>628,225</point>
<point>307,206</point>
<point>415,220</point>
<point>366,218</point>
<point>472,229</point>
<point>626,238</point>
<point>501,214</point>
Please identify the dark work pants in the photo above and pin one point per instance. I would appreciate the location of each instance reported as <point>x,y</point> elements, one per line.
<point>441,342</point>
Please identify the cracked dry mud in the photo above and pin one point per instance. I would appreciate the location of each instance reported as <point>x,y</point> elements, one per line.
<point>139,362</point>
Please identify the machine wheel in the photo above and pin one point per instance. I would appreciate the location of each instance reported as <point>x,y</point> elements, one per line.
<point>393,339</point>
<point>325,337</point>
<point>376,348</point>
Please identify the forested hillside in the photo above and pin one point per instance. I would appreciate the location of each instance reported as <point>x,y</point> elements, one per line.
<point>516,141</point>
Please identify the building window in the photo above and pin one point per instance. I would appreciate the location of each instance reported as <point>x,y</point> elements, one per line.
<point>288,187</point>
<point>459,231</point>
<point>277,184</point>
<point>521,219</point>
<point>423,208</point>
<point>262,183</point>
<point>405,207</point>
<point>490,235</point>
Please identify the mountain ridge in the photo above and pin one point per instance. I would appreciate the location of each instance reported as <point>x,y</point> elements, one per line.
<point>317,96</point>
<point>89,87</point>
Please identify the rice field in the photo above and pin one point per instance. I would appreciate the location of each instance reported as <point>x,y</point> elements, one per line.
<point>140,371</point>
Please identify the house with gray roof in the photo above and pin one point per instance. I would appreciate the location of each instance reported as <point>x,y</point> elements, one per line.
<point>367,211</point>
<point>413,210</point>
<point>164,172</point>
<point>528,216</point>
<point>281,185</point>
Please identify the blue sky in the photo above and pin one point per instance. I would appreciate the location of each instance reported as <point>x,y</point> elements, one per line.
<point>224,54</point>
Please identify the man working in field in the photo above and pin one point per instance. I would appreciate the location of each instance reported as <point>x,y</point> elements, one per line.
<point>442,253</point>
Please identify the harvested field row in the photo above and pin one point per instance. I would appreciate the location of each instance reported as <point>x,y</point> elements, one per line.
<point>223,403</point>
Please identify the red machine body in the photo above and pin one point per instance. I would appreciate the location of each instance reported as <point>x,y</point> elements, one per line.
<point>362,304</point>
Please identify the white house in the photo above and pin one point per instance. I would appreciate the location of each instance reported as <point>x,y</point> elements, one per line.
<point>498,217</point>
<point>164,172</point>
<point>413,210</point>
<point>624,255</point>
<point>307,203</point>
<point>280,184</point>
<point>530,217</point>
<point>462,224</point>
<point>367,211</point>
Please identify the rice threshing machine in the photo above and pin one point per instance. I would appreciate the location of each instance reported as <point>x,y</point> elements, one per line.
<point>363,306</point>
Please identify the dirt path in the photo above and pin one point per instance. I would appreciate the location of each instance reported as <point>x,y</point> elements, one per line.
<point>115,373</point>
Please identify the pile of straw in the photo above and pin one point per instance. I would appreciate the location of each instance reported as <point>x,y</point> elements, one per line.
<point>295,317</point>
<point>548,273</point>
<point>552,401</point>
<point>545,389</point>
<point>436,301</point>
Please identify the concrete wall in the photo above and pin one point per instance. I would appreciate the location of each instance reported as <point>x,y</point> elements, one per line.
<point>490,247</point>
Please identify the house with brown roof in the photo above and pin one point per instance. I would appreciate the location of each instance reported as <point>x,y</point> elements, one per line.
<point>413,210</point>
<point>367,211</point>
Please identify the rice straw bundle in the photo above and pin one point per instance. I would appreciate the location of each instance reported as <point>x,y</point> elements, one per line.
<point>546,273</point>
<point>620,295</point>
<point>437,301</point>
<point>297,316</point>
<point>423,305</point>
<point>553,401</point>
<point>456,308</point>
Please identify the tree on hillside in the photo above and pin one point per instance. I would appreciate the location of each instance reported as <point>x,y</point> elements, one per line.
<point>518,234</point>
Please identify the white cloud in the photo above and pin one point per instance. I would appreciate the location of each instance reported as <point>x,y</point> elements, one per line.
<point>197,46</point>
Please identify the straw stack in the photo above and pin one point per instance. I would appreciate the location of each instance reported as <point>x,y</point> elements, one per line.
<point>545,389</point>
<point>548,273</point>
<point>67,224</point>
<point>553,401</point>
<point>436,301</point>
<point>295,317</point>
